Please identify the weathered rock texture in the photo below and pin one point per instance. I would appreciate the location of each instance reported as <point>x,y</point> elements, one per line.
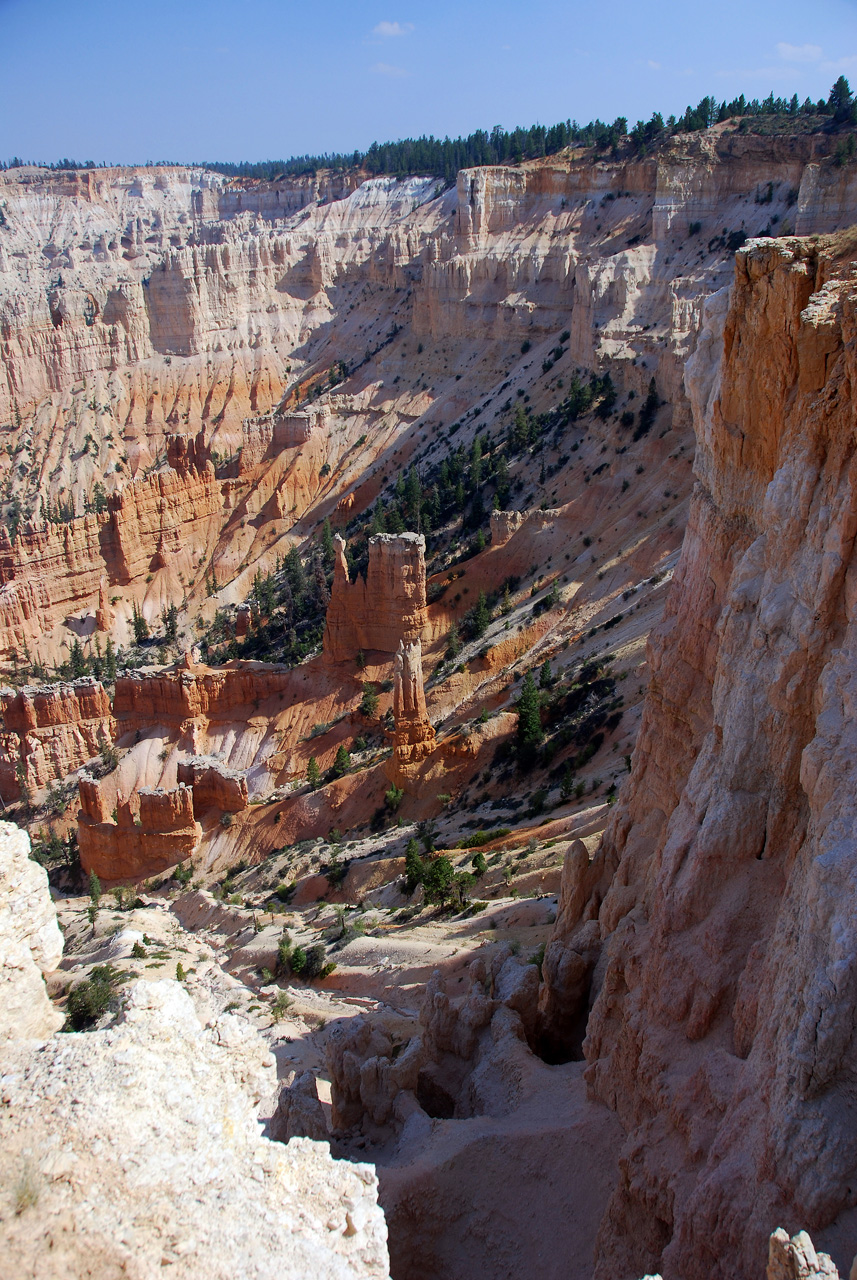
<point>716,923</point>
<point>214,785</point>
<point>30,941</point>
<point>796,1259</point>
<point>414,737</point>
<point>463,1064</point>
<point>299,1112</point>
<point>145,1153</point>
<point>49,732</point>
<point>385,607</point>
<point>154,829</point>
<point>136,304</point>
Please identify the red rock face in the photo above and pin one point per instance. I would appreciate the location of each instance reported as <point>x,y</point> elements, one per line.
<point>712,925</point>
<point>194,692</point>
<point>50,732</point>
<point>388,606</point>
<point>154,830</point>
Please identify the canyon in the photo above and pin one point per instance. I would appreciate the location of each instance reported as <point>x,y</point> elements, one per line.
<point>623,1022</point>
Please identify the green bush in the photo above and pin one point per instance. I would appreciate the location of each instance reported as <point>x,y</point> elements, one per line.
<point>393,798</point>
<point>438,880</point>
<point>91,998</point>
<point>414,865</point>
<point>482,837</point>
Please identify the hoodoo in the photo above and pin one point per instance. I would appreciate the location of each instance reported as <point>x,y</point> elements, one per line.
<point>414,737</point>
<point>386,607</point>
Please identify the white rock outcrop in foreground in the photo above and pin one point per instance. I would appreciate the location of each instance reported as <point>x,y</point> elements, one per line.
<point>30,941</point>
<point>136,1151</point>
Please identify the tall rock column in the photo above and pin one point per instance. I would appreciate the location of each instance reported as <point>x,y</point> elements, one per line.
<point>414,736</point>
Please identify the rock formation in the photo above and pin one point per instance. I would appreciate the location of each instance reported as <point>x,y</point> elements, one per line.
<point>461,1065</point>
<point>796,1259</point>
<point>713,925</point>
<point>30,942</point>
<point>154,829</point>
<point>142,1147</point>
<point>50,731</point>
<point>214,785</point>
<point>377,612</point>
<point>414,737</point>
<point>299,1113</point>
<point>192,694</point>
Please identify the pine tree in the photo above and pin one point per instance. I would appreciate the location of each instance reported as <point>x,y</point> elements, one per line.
<point>110,661</point>
<point>369,701</point>
<point>529,734</point>
<point>140,626</point>
<point>453,642</point>
<point>379,524</point>
<point>342,763</point>
<point>414,865</point>
<point>481,616</point>
<point>313,773</point>
<point>546,677</point>
<point>78,661</point>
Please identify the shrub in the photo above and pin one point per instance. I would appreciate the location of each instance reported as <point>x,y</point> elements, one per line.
<point>285,892</point>
<point>414,865</point>
<point>482,837</point>
<point>285,958</point>
<point>437,880</point>
<point>138,951</point>
<point>479,864</point>
<point>183,874</point>
<point>281,1006</point>
<point>369,701</point>
<point>393,798</point>
<point>91,998</point>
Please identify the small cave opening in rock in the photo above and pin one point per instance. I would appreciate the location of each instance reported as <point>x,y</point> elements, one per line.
<point>558,1045</point>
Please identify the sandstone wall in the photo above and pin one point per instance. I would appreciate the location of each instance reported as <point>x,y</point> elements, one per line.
<point>154,830</point>
<point>175,699</point>
<point>713,925</point>
<point>214,786</point>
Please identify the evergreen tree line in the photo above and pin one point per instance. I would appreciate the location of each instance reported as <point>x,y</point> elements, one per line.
<point>443,157</point>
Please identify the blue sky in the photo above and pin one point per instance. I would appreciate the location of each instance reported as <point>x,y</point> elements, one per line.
<point>188,80</point>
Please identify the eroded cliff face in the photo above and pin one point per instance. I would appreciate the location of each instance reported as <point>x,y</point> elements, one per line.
<point>141,303</point>
<point>715,924</point>
<point>50,732</point>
